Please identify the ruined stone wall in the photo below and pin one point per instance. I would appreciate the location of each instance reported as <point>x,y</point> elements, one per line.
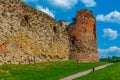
<point>29,36</point>
<point>83,37</point>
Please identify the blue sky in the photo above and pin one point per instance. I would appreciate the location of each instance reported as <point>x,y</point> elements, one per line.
<point>107,15</point>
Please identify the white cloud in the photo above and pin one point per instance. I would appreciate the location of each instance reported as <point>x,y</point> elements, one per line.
<point>111,34</point>
<point>88,3</point>
<point>45,10</point>
<point>109,52</point>
<point>113,17</point>
<point>63,4</point>
<point>30,0</point>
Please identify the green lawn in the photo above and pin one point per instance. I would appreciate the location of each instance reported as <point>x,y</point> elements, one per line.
<point>43,71</point>
<point>110,73</point>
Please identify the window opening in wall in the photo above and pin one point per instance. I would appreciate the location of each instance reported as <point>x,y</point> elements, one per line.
<point>73,39</point>
<point>94,30</point>
<point>55,29</point>
<point>26,18</point>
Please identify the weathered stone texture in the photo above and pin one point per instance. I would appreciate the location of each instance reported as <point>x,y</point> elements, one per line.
<point>83,37</point>
<point>28,35</point>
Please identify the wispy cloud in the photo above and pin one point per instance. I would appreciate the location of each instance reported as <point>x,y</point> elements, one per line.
<point>63,4</point>
<point>45,10</point>
<point>109,52</point>
<point>30,0</point>
<point>113,17</point>
<point>88,3</point>
<point>110,33</point>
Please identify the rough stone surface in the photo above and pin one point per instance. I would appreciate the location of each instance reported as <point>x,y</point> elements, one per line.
<point>83,37</point>
<point>29,36</point>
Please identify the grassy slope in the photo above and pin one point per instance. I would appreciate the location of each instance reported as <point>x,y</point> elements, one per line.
<point>43,71</point>
<point>110,73</point>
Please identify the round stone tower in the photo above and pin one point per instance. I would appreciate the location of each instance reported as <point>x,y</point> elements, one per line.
<point>83,37</point>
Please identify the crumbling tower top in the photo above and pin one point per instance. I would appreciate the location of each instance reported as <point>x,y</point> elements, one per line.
<point>83,37</point>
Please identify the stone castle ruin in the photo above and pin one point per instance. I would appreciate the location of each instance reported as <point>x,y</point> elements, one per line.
<point>31,36</point>
<point>83,42</point>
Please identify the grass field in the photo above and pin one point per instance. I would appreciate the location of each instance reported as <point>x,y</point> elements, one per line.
<point>110,73</point>
<point>43,71</point>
